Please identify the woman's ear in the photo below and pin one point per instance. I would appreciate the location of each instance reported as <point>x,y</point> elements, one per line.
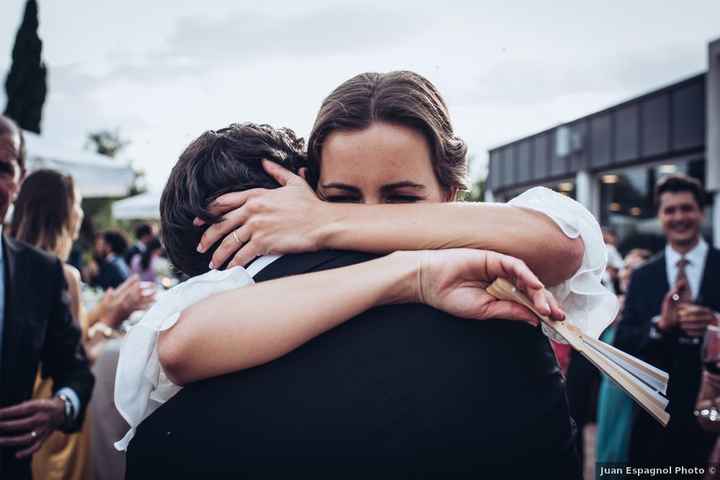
<point>303,173</point>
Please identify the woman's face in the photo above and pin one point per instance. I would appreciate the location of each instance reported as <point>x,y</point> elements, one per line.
<point>77,216</point>
<point>385,163</point>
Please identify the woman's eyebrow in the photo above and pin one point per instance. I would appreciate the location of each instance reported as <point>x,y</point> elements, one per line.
<point>342,186</point>
<point>404,184</point>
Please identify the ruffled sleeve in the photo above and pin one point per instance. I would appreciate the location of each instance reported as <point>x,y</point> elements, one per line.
<point>588,304</point>
<point>141,386</point>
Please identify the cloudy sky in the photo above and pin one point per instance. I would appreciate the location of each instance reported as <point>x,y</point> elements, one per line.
<point>163,71</point>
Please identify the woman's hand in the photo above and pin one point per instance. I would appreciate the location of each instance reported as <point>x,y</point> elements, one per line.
<point>261,221</point>
<point>455,280</point>
<point>120,303</point>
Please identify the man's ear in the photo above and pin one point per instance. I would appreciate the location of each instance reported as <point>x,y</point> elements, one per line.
<point>303,173</point>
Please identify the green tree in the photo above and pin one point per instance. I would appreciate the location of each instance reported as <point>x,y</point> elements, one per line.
<point>26,82</point>
<point>106,142</point>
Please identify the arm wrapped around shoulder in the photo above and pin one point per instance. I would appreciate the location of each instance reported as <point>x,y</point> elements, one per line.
<point>588,304</point>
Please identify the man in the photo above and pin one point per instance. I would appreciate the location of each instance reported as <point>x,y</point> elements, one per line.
<point>669,304</point>
<point>143,233</point>
<point>110,246</point>
<point>398,391</point>
<point>36,328</point>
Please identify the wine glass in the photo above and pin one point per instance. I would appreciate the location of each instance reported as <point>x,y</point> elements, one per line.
<point>711,362</point>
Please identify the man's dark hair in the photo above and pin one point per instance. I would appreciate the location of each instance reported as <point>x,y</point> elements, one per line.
<point>678,183</point>
<point>142,230</point>
<point>116,240</point>
<point>216,163</point>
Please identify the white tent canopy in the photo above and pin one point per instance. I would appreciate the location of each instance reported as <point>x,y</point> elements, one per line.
<point>145,206</point>
<point>94,175</point>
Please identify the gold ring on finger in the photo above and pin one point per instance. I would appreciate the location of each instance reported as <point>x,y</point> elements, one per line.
<point>235,236</point>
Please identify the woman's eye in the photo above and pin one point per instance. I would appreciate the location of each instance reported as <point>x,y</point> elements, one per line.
<point>341,199</point>
<point>403,199</point>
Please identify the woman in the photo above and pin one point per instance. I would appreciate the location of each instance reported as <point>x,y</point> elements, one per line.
<point>48,215</point>
<point>143,264</point>
<point>615,410</point>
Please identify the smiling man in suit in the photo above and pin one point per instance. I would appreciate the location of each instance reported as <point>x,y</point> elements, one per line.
<point>36,327</point>
<point>669,304</point>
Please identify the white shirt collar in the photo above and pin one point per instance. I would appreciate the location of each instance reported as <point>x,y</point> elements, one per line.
<point>260,263</point>
<point>696,256</point>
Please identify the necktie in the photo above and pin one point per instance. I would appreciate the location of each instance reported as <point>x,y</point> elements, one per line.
<point>684,293</point>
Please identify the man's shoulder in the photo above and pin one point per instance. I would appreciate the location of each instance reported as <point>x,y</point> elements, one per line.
<point>652,266</point>
<point>298,263</point>
<point>29,253</point>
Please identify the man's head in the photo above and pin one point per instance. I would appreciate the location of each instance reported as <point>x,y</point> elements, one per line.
<point>144,233</point>
<point>12,163</point>
<point>216,163</point>
<point>609,236</point>
<point>680,200</point>
<point>110,241</point>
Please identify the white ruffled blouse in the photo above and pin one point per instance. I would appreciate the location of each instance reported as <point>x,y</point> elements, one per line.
<point>141,385</point>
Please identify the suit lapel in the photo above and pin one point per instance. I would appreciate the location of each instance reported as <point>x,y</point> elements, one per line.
<point>12,325</point>
<point>712,265</point>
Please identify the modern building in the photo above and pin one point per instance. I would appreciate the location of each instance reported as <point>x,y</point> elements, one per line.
<point>610,160</point>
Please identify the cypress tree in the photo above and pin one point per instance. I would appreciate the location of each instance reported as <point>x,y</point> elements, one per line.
<point>25,84</point>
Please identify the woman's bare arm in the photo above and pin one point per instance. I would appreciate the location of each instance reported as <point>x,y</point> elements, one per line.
<point>253,325</point>
<point>292,219</point>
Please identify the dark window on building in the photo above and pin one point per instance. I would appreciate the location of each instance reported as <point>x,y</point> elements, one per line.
<point>579,143</point>
<point>655,125</point>
<point>541,169</point>
<point>558,157</point>
<point>522,159</point>
<point>688,106</point>
<point>626,133</point>
<point>600,138</point>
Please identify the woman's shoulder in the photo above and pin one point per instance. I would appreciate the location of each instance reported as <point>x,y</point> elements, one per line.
<point>72,277</point>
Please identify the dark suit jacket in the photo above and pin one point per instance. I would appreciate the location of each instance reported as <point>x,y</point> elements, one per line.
<point>112,273</point>
<point>399,391</point>
<point>38,329</point>
<point>682,442</point>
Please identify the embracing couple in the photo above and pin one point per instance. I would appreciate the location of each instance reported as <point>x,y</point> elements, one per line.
<point>336,323</point>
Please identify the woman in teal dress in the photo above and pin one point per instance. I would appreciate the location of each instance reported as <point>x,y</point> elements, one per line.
<point>615,409</point>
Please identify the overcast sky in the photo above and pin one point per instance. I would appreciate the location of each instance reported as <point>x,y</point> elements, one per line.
<point>163,71</point>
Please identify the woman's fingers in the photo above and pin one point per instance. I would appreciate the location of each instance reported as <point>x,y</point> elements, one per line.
<point>526,281</point>
<point>228,202</point>
<point>232,242</point>
<point>556,311</point>
<point>215,232</point>
<point>509,311</point>
<point>247,254</point>
<point>281,174</point>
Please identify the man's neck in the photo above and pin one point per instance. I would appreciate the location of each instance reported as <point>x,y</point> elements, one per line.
<point>684,248</point>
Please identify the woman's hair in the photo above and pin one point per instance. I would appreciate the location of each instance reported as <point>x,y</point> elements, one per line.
<point>218,162</point>
<point>400,98</point>
<point>43,214</point>
<point>146,256</point>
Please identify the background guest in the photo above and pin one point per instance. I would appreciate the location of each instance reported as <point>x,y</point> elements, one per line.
<point>144,234</point>
<point>47,215</point>
<point>36,327</point>
<point>143,264</point>
<point>669,304</point>
<point>110,248</point>
<point>615,409</point>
